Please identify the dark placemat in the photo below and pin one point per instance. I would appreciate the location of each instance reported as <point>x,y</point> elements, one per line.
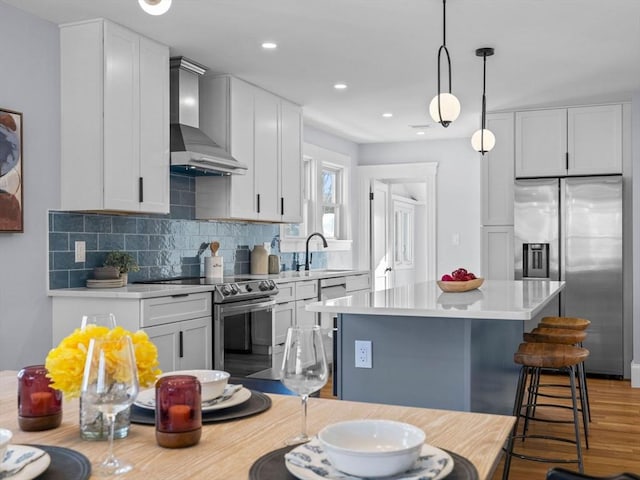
<point>258,402</point>
<point>66,464</point>
<point>271,466</point>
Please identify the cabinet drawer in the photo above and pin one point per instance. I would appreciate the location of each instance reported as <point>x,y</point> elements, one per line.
<point>286,292</point>
<point>306,289</point>
<point>358,282</point>
<point>163,310</point>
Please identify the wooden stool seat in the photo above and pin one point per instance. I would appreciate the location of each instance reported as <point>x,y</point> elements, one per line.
<point>549,355</point>
<point>572,323</point>
<point>564,336</point>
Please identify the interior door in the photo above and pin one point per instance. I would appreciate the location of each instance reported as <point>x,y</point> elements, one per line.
<point>381,261</point>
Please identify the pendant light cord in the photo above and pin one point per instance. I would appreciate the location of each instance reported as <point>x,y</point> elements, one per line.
<point>446,51</point>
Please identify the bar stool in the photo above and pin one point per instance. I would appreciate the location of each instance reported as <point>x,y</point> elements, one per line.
<point>564,474</point>
<point>571,323</point>
<point>559,336</point>
<point>552,357</point>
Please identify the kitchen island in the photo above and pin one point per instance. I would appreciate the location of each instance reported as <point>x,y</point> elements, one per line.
<point>435,349</point>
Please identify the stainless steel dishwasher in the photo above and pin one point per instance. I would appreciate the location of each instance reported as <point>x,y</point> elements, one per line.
<point>334,287</point>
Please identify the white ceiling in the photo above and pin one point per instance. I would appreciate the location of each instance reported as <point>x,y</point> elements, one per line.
<point>548,52</point>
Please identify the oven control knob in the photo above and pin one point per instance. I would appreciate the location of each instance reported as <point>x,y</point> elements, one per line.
<point>234,289</point>
<point>248,287</point>
<point>263,286</point>
<point>225,289</point>
<point>272,284</point>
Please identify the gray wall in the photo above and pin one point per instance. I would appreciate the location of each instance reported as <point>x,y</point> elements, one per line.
<point>458,193</point>
<point>29,84</point>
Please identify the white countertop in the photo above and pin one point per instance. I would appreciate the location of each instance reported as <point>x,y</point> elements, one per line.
<point>495,299</point>
<point>145,290</point>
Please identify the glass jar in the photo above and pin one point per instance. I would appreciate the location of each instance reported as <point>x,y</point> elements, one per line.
<point>39,405</point>
<point>178,411</point>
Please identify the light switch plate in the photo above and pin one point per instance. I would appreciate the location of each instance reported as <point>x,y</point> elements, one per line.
<point>81,251</point>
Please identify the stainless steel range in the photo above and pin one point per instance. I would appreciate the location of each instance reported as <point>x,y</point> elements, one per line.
<point>247,339</point>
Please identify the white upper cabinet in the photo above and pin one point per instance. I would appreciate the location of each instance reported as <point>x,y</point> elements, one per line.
<point>497,172</point>
<point>264,132</point>
<point>115,119</point>
<point>569,141</point>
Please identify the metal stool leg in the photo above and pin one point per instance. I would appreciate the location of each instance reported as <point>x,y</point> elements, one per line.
<point>576,427</point>
<point>517,407</point>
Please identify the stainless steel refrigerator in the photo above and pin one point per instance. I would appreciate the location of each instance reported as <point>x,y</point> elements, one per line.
<point>571,229</point>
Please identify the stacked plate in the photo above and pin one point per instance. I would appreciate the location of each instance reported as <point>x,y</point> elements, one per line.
<point>110,283</point>
<point>233,395</point>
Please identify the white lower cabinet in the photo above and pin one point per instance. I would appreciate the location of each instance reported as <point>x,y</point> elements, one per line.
<point>180,325</point>
<point>184,345</point>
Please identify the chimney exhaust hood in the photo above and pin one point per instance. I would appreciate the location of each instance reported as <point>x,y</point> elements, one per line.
<point>192,151</point>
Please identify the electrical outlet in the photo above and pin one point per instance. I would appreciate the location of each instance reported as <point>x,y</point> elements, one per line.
<point>363,353</point>
<point>81,251</point>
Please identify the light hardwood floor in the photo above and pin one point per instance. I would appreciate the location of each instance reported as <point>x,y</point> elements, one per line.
<point>614,440</point>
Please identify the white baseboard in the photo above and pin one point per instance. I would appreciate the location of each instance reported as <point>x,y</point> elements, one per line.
<point>635,374</point>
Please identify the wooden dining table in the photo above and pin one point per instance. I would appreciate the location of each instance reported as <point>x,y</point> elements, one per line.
<point>227,450</point>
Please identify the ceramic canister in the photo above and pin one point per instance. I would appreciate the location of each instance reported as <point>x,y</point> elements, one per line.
<point>259,262</point>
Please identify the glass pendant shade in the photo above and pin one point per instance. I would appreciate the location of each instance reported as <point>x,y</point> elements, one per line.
<point>483,141</point>
<point>155,7</point>
<point>449,108</point>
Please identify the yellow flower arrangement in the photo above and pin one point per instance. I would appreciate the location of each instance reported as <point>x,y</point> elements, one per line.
<point>65,363</point>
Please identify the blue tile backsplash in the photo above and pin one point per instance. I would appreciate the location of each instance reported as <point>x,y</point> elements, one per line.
<point>164,246</point>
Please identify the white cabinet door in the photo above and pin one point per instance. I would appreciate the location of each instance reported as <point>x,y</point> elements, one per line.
<point>183,345</point>
<point>290,163</point>
<point>121,118</point>
<point>497,172</point>
<point>595,140</point>
<point>541,143</point>
<point>154,126</point>
<point>285,317</point>
<point>241,125</point>
<point>196,344</point>
<point>304,318</point>
<point>497,253</point>
<point>266,155</point>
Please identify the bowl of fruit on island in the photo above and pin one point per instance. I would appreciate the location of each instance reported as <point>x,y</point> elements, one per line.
<point>460,280</point>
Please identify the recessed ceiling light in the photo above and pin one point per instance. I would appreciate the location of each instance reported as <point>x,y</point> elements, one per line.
<point>387,115</point>
<point>155,7</point>
<point>419,133</point>
<point>269,45</point>
<point>340,86</point>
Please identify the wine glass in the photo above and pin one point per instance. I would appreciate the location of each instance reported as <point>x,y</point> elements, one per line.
<point>110,385</point>
<point>304,369</point>
<point>100,319</point>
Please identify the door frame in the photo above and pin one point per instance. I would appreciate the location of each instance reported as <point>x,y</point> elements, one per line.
<point>416,172</point>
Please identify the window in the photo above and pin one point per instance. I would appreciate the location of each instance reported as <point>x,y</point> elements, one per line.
<point>325,175</point>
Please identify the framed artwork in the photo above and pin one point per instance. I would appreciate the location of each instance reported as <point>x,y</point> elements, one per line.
<point>11,197</point>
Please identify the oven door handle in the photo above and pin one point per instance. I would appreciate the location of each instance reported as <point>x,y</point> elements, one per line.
<point>246,308</point>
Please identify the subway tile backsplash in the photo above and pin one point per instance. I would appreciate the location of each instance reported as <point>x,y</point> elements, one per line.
<point>164,246</point>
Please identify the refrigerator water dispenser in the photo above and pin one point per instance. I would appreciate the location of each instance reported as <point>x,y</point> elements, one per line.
<point>535,260</point>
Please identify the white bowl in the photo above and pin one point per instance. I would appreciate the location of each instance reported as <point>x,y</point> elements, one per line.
<point>372,448</point>
<point>5,438</point>
<point>213,382</point>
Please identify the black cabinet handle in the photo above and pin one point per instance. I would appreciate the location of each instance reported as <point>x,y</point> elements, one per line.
<point>258,201</point>
<point>281,205</point>
<point>141,189</point>
<point>180,347</point>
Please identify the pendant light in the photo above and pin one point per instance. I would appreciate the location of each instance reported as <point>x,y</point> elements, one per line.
<point>155,7</point>
<point>445,107</point>
<point>483,140</point>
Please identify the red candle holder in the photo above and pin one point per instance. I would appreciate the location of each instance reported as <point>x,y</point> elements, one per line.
<point>39,405</point>
<point>178,411</point>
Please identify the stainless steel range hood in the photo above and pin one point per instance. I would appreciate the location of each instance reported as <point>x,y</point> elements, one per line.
<point>192,151</point>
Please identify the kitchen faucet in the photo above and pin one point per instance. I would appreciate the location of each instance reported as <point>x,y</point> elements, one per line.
<point>306,252</point>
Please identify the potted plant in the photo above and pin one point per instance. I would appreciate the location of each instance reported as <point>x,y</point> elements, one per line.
<point>122,260</point>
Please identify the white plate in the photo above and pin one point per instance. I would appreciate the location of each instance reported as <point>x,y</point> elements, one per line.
<point>31,470</point>
<point>309,462</point>
<point>147,399</point>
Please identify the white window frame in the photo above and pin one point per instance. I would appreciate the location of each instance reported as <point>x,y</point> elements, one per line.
<point>320,158</point>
